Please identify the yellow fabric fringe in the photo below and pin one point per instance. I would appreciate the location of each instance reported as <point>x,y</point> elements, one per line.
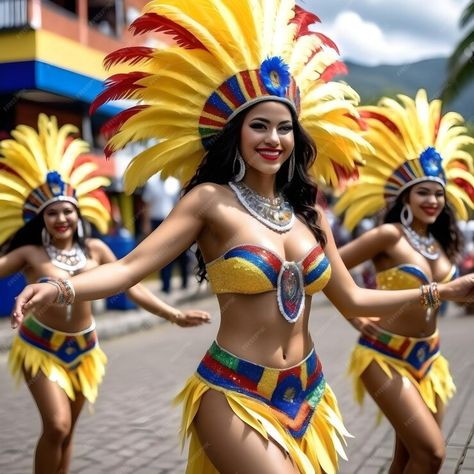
<point>437,382</point>
<point>84,378</point>
<point>315,453</point>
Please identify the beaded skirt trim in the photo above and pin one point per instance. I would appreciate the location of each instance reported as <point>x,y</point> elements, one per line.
<point>418,354</point>
<point>293,394</point>
<point>417,359</point>
<point>72,360</point>
<point>294,407</point>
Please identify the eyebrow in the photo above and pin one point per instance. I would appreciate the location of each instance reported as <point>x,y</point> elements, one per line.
<point>424,188</point>
<point>269,121</point>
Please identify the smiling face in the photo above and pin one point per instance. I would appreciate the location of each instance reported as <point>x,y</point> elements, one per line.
<point>427,200</point>
<point>266,139</point>
<point>60,220</point>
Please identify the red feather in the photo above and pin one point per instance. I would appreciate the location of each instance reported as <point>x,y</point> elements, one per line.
<point>118,86</point>
<point>303,19</point>
<point>100,195</point>
<point>327,41</point>
<point>363,125</point>
<point>112,126</point>
<point>154,22</point>
<point>132,55</point>
<point>332,70</point>
<point>465,186</point>
<point>366,114</point>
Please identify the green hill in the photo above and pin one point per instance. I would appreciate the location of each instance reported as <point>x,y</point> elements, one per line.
<point>372,82</point>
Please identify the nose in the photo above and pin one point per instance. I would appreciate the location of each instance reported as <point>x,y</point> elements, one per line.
<point>272,137</point>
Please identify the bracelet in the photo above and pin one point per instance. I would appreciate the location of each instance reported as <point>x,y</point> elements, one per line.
<point>66,293</point>
<point>429,297</point>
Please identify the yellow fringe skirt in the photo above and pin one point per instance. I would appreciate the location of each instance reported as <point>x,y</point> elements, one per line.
<point>72,360</point>
<point>294,407</point>
<point>417,359</point>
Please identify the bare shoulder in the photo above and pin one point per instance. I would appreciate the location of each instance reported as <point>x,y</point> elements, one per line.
<point>29,252</point>
<point>205,196</point>
<point>99,251</point>
<point>391,233</point>
<point>95,245</point>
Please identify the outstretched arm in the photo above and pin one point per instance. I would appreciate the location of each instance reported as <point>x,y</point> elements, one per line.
<point>143,297</point>
<point>353,301</point>
<point>174,235</point>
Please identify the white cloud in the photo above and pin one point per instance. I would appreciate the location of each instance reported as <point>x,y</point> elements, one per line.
<point>390,32</point>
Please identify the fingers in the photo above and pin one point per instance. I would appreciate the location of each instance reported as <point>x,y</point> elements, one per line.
<point>191,318</point>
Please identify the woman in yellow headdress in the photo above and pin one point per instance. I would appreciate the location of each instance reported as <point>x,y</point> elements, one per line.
<point>47,191</point>
<point>421,176</point>
<point>237,103</point>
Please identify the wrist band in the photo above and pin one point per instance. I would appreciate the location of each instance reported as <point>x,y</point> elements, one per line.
<point>429,297</point>
<point>66,293</point>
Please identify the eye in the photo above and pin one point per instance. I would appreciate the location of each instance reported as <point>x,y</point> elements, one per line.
<point>286,129</point>
<point>257,125</point>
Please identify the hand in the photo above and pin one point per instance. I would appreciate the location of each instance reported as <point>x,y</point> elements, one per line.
<point>366,326</point>
<point>460,290</point>
<point>190,318</point>
<point>32,299</point>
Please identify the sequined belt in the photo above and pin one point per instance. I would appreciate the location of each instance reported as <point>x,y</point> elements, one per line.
<point>292,394</point>
<point>68,348</point>
<point>418,354</point>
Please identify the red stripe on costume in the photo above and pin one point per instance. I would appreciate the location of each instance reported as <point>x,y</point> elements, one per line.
<point>34,337</point>
<point>208,121</point>
<point>296,371</point>
<point>312,377</point>
<point>227,92</point>
<point>316,252</point>
<point>265,255</point>
<point>213,110</point>
<point>229,374</point>
<point>245,75</point>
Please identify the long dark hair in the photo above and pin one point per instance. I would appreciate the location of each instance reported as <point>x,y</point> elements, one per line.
<point>444,229</point>
<point>30,234</point>
<point>217,167</point>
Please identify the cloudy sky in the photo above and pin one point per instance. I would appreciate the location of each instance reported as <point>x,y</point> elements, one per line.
<point>389,31</point>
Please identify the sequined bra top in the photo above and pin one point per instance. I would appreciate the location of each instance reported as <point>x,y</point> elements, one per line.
<point>406,276</point>
<point>252,269</point>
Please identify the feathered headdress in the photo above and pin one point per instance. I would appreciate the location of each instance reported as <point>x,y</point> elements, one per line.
<point>413,142</point>
<point>224,56</point>
<point>41,167</point>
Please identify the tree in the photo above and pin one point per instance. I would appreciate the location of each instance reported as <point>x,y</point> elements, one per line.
<point>461,62</point>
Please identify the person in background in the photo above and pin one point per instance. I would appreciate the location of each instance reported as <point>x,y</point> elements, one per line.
<point>160,197</point>
<point>420,171</point>
<point>236,105</point>
<point>47,191</point>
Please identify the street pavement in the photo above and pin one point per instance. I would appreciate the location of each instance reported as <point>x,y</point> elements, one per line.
<point>134,427</point>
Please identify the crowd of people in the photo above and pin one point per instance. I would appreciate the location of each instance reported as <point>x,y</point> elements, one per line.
<point>242,110</point>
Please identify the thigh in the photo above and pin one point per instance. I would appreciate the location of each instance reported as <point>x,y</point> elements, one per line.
<point>53,403</point>
<point>232,445</point>
<point>440,411</point>
<point>404,407</point>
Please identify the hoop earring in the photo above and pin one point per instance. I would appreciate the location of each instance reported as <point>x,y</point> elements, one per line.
<point>406,215</point>
<point>291,166</point>
<point>240,165</point>
<point>45,237</point>
<point>80,230</point>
